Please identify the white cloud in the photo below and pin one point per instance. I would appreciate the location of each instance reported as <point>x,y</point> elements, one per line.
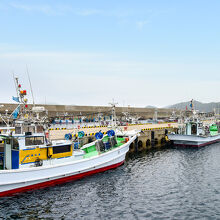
<point>89,12</point>
<point>45,9</point>
<point>60,9</point>
<point>140,24</point>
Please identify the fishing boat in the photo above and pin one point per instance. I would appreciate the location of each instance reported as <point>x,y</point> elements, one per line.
<point>193,133</point>
<point>30,160</point>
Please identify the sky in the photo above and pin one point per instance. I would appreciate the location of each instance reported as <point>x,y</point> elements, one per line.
<point>87,52</point>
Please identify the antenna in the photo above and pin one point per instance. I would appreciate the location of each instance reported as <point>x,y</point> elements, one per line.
<point>30,85</point>
<point>15,82</point>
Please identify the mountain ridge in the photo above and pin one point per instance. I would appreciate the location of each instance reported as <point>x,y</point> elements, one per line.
<point>202,107</point>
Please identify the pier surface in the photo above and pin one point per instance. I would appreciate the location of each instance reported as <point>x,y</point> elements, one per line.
<point>58,134</point>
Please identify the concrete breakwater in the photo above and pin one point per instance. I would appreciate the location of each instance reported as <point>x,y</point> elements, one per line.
<point>70,111</point>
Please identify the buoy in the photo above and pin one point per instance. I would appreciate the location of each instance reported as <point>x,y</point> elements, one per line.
<point>126,139</point>
<point>68,136</point>
<point>81,134</point>
<point>111,133</point>
<point>99,135</point>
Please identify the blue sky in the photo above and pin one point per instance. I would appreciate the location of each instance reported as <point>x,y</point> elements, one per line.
<point>88,52</point>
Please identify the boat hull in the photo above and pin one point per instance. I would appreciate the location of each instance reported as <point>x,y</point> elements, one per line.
<point>15,181</point>
<point>193,140</point>
<point>57,181</point>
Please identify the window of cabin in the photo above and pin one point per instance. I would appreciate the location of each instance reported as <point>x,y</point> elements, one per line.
<point>34,141</point>
<point>40,129</point>
<point>61,149</point>
<point>17,130</point>
<point>29,141</point>
<point>29,129</point>
<point>39,140</point>
<point>15,144</point>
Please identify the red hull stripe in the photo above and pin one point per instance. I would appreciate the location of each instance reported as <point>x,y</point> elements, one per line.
<point>58,181</point>
<point>199,145</point>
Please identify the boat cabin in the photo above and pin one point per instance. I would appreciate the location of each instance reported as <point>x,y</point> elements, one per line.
<point>194,128</point>
<point>29,147</point>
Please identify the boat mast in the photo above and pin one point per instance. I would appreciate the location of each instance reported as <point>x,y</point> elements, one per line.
<point>113,105</point>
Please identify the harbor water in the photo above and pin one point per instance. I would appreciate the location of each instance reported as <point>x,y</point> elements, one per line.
<point>172,183</point>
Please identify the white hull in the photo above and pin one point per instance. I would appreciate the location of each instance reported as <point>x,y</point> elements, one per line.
<point>12,181</point>
<point>193,140</point>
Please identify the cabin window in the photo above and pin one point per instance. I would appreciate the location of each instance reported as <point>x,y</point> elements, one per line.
<point>17,130</point>
<point>39,140</point>
<point>15,144</point>
<point>29,129</point>
<point>61,149</point>
<point>40,129</point>
<point>34,141</point>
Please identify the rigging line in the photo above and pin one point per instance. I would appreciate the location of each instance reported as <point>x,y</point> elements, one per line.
<point>30,85</point>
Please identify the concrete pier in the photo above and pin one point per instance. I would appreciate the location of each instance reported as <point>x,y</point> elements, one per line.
<point>151,135</point>
<point>58,134</point>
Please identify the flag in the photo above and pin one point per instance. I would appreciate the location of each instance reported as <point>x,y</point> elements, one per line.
<point>15,98</point>
<point>191,103</point>
<point>16,112</point>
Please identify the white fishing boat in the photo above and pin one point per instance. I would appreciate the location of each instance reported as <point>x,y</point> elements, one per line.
<point>38,165</point>
<point>29,160</point>
<point>194,134</point>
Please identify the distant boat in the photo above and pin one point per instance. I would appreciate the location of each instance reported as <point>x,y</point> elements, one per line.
<point>194,134</point>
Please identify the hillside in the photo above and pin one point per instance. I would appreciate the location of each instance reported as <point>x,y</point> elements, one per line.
<point>150,106</point>
<point>202,107</point>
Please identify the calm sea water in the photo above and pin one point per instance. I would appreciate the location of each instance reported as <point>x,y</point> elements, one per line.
<point>172,183</point>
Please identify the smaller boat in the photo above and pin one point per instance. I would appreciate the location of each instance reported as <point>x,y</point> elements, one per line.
<point>195,134</point>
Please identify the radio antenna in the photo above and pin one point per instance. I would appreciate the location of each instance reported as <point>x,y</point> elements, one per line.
<point>15,82</point>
